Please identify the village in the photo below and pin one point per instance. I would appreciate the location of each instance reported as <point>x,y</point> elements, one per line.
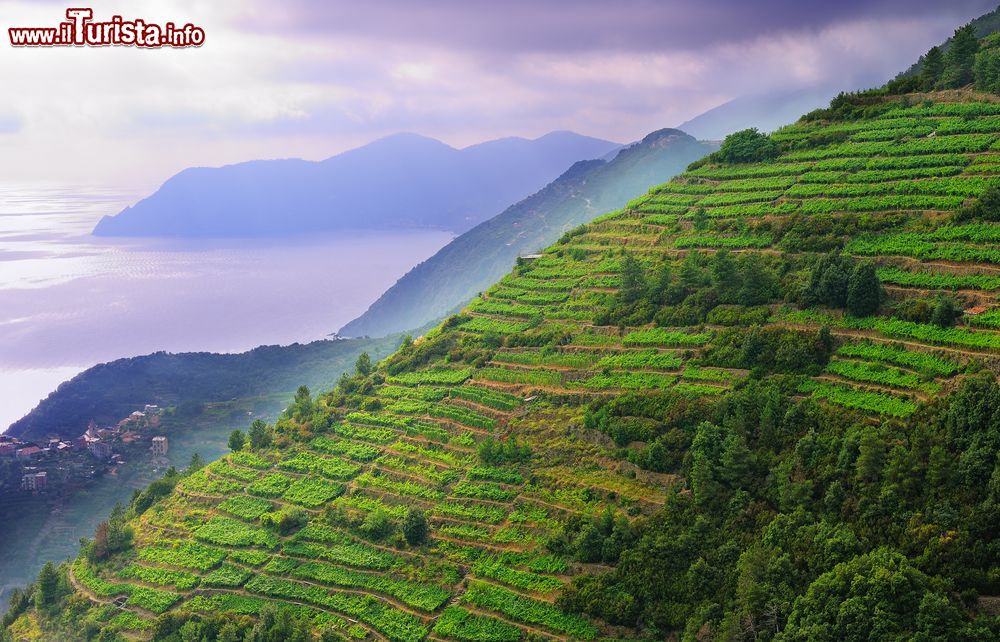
<point>36,466</point>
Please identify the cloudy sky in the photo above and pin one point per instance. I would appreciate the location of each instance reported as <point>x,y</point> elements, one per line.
<point>309,78</point>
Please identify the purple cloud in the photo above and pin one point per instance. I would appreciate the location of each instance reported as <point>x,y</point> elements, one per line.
<point>582,25</point>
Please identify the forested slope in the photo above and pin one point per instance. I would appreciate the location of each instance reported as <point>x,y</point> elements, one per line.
<point>758,403</point>
<point>476,259</point>
<point>108,392</point>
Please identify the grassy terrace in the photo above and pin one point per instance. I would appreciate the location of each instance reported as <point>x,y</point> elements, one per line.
<point>526,358</point>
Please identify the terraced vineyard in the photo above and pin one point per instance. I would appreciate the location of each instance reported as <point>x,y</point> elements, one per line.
<point>507,423</point>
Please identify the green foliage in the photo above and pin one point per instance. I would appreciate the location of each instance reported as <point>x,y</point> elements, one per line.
<point>457,623</point>
<point>864,292</point>
<point>259,435</point>
<point>920,361</point>
<point>183,554</point>
<point>525,609</point>
<point>498,452</point>
<point>180,580</point>
<point>237,439</point>
<point>312,493</point>
<point>661,337</point>
<point>415,527</point>
<point>747,146</point>
<point>230,532</point>
<point>249,508</point>
<point>273,485</point>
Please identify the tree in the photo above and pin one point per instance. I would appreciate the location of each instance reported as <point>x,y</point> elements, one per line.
<point>828,281</point>
<point>377,525</point>
<point>415,527</point>
<point>633,280</point>
<point>960,59</point>
<point>877,596</point>
<point>700,220</point>
<point>237,440</point>
<point>758,281</point>
<point>987,70</point>
<point>933,67</point>
<point>747,146</point>
<point>946,312</point>
<point>47,588</point>
<point>260,436</point>
<point>864,292</point>
<point>302,404</point>
<point>363,366</point>
<point>196,463</point>
<point>725,277</point>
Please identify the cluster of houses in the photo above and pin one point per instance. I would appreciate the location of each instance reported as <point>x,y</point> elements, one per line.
<point>99,442</point>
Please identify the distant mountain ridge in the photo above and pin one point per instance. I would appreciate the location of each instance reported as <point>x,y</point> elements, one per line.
<point>477,258</point>
<point>400,181</point>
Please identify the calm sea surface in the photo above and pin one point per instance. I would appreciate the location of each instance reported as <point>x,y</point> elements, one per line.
<point>69,300</point>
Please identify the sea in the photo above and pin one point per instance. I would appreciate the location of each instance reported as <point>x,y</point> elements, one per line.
<point>69,300</point>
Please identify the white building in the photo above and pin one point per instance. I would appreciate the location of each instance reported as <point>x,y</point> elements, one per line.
<point>159,446</point>
<point>35,481</point>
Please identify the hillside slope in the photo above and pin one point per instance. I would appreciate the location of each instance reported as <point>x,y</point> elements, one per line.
<point>479,257</point>
<point>432,185</point>
<point>110,391</point>
<point>642,428</point>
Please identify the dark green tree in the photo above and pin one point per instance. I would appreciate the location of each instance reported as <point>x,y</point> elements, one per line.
<point>633,285</point>
<point>377,524</point>
<point>260,436</point>
<point>960,58</point>
<point>415,527</point>
<point>196,463</point>
<point>363,366</point>
<point>864,291</point>
<point>47,587</point>
<point>946,312</point>
<point>237,440</point>
<point>933,67</point>
<point>747,146</point>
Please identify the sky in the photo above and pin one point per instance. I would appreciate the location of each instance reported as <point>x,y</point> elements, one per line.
<point>311,78</point>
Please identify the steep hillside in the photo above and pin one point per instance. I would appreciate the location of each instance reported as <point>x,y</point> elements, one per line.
<point>758,403</point>
<point>477,258</point>
<point>110,391</point>
<point>399,181</point>
<point>693,415</point>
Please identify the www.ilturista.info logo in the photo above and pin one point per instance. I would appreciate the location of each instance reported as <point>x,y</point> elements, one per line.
<point>81,31</point>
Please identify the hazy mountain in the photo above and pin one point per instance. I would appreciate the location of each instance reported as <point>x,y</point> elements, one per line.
<point>766,112</point>
<point>403,180</point>
<point>482,255</point>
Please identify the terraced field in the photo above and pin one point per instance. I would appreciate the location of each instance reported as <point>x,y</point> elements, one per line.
<point>531,357</point>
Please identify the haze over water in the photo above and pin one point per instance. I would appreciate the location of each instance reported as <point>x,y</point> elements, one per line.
<point>69,300</point>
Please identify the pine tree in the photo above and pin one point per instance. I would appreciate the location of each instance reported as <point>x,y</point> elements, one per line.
<point>237,440</point>
<point>633,280</point>
<point>415,527</point>
<point>864,292</point>
<point>196,463</point>
<point>47,590</point>
<point>960,58</point>
<point>260,437</point>
<point>363,366</point>
<point>933,67</point>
